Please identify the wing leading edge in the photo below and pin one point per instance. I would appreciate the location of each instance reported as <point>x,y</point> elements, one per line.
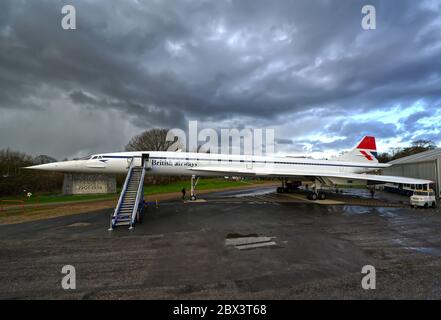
<point>379,179</point>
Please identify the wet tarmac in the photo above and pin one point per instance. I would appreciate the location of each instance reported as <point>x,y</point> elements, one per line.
<point>181,251</point>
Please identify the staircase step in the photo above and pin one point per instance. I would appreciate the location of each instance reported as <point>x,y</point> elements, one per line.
<point>123,223</point>
<point>128,197</point>
<point>123,218</point>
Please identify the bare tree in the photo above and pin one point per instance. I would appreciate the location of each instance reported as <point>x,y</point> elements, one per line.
<point>14,180</point>
<point>424,144</point>
<point>150,140</point>
<point>416,146</point>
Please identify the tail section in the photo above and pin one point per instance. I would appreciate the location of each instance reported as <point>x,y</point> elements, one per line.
<point>365,151</point>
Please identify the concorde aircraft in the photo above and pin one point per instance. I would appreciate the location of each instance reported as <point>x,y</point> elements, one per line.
<point>353,166</point>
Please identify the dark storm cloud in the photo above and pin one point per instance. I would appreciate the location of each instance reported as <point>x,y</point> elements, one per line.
<point>411,122</point>
<point>362,128</point>
<point>148,64</point>
<point>347,134</point>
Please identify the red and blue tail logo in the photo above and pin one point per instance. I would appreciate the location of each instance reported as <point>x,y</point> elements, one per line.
<point>368,148</point>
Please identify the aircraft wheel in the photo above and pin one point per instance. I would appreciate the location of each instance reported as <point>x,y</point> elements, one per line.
<point>193,198</point>
<point>322,196</point>
<point>313,196</point>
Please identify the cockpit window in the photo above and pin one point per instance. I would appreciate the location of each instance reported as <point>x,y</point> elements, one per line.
<point>91,157</point>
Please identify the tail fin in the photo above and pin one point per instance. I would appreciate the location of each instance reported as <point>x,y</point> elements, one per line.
<point>365,151</point>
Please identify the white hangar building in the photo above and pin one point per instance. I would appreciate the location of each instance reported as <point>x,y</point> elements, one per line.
<point>423,165</point>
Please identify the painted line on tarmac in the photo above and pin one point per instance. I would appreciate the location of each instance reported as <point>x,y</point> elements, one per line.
<point>266,198</point>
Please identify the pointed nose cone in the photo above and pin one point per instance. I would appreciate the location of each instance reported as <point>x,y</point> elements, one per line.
<point>62,166</point>
<point>45,167</point>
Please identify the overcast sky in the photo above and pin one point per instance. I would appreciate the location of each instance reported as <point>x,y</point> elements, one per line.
<point>305,68</point>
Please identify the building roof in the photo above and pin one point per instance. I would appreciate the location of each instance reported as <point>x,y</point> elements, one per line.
<point>419,157</point>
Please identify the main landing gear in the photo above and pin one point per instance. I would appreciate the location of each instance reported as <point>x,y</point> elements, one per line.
<point>194,182</point>
<point>316,193</point>
<point>288,186</point>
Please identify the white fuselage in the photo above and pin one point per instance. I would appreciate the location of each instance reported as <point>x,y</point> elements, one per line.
<point>186,164</point>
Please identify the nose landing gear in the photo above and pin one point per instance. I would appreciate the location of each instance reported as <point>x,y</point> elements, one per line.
<point>194,182</point>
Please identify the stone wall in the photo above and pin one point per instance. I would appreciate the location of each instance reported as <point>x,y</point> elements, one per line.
<point>77,183</point>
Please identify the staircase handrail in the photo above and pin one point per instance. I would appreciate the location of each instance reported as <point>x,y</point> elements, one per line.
<point>123,191</point>
<point>138,195</point>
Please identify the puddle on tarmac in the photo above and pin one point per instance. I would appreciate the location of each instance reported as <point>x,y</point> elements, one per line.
<point>257,192</point>
<point>428,250</point>
<point>356,210</point>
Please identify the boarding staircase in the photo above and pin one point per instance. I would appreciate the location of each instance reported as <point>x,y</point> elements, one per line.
<point>131,201</point>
